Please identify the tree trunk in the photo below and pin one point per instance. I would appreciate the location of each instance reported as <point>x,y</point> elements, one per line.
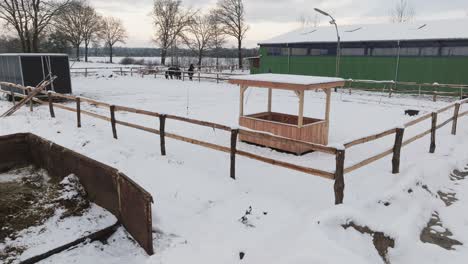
<point>86,52</point>
<point>239,52</point>
<point>77,52</point>
<point>163,56</point>
<point>200,56</point>
<point>110,49</point>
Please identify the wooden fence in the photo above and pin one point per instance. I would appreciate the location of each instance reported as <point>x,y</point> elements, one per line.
<point>158,71</point>
<point>390,87</point>
<point>339,153</point>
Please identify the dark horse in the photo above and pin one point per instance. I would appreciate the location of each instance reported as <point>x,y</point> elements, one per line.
<point>172,72</point>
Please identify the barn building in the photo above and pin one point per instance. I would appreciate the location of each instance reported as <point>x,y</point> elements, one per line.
<point>424,52</point>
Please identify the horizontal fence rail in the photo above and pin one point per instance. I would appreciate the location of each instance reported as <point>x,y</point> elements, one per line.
<point>339,153</point>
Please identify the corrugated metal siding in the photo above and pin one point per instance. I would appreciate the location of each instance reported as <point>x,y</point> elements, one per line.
<point>453,70</point>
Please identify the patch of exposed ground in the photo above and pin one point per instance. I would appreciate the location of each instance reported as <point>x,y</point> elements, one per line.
<point>28,197</point>
<point>381,241</point>
<point>435,233</point>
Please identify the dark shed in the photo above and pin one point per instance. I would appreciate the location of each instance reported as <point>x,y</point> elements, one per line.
<point>29,69</point>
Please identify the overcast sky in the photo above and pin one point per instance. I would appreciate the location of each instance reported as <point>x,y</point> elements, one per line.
<point>268,18</point>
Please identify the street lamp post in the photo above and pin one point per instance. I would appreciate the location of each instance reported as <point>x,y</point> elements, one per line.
<point>338,46</point>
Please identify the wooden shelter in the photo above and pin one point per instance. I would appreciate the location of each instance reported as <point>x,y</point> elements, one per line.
<point>313,130</point>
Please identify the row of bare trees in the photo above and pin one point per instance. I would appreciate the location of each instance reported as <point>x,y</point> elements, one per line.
<point>199,31</point>
<point>75,21</point>
<point>80,25</point>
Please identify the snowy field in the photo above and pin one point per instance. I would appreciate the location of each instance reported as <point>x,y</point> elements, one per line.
<point>197,209</point>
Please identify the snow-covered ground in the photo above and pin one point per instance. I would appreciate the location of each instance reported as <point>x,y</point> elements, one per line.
<point>198,208</point>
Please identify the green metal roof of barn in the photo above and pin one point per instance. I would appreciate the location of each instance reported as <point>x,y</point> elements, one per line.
<point>453,29</point>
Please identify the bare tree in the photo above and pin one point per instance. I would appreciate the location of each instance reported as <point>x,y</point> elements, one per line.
<point>29,18</point>
<point>402,12</point>
<point>69,22</point>
<point>112,32</point>
<point>231,15</point>
<point>199,36</point>
<point>170,20</point>
<point>306,21</point>
<point>91,26</point>
<point>219,38</point>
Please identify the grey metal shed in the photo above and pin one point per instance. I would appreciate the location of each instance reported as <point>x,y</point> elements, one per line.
<point>29,69</point>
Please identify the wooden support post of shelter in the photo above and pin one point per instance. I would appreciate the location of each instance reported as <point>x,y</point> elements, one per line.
<point>162,133</point>
<point>397,150</point>
<point>455,118</point>
<point>51,104</point>
<point>433,132</point>
<point>112,113</point>
<point>234,134</point>
<point>339,177</point>
<point>297,127</point>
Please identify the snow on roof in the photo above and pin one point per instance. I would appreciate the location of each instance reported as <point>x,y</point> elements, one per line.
<point>428,30</point>
<point>33,54</point>
<point>287,78</point>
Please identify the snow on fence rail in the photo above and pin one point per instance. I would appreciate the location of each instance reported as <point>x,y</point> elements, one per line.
<point>390,87</point>
<point>338,152</point>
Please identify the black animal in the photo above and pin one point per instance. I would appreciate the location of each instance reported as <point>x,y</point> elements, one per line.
<point>173,72</point>
<point>412,112</point>
<point>190,71</point>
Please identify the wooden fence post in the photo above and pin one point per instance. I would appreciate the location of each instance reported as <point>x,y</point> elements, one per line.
<point>397,150</point>
<point>121,71</point>
<point>131,71</point>
<point>199,80</point>
<point>433,132</point>
<point>12,94</point>
<point>162,134</point>
<point>217,78</point>
<point>114,129</point>
<point>86,72</point>
<point>455,118</point>
<point>339,177</point>
<point>51,105</point>
<point>234,133</point>
<point>78,112</point>
<point>183,76</point>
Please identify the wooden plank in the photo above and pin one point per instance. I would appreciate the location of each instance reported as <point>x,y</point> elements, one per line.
<point>370,138</point>
<point>328,106</point>
<point>368,161</point>
<point>287,86</point>
<point>397,150</point>
<point>136,111</point>
<point>446,108</point>
<point>414,138</point>
<point>143,128</point>
<point>418,120</point>
<point>284,140</point>
<point>339,177</point>
<point>199,122</point>
<point>312,171</point>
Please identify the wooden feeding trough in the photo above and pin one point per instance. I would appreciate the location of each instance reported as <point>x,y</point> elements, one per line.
<point>313,130</point>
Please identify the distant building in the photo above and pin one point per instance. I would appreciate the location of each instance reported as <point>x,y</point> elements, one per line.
<point>433,51</point>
